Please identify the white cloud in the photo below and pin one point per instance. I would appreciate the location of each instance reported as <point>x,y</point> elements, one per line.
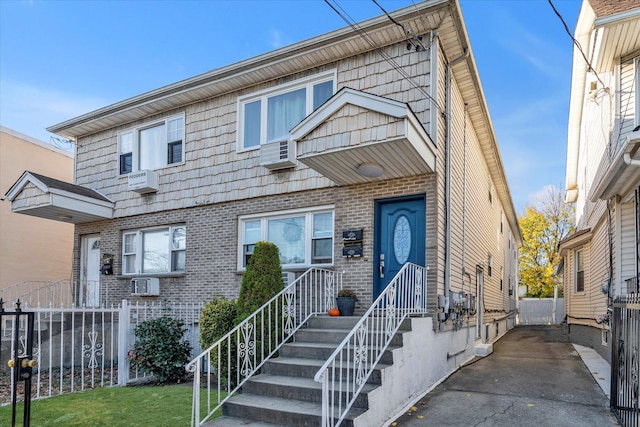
<point>30,109</point>
<point>276,39</point>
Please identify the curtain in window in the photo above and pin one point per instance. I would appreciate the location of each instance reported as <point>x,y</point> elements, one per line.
<point>322,92</point>
<point>284,112</point>
<point>152,148</point>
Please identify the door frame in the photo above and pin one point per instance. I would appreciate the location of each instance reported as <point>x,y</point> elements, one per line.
<point>378,203</point>
<point>83,286</point>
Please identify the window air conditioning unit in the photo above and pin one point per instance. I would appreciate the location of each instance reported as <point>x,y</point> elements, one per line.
<point>144,181</point>
<point>147,286</point>
<point>288,277</point>
<point>278,155</point>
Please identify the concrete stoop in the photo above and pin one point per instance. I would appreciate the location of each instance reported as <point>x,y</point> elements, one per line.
<point>285,394</point>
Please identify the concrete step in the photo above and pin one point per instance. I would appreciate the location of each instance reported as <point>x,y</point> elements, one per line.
<point>307,368</point>
<point>280,411</point>
<point>298,388</point>
<point>336,336</point>
<point>311,350</point>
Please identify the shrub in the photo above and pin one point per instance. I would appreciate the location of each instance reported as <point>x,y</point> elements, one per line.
<point>216,320</point>
<point>261,281</point>
<point>160,350</point>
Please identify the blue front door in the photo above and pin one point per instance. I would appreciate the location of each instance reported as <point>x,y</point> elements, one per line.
<point>399,237</point>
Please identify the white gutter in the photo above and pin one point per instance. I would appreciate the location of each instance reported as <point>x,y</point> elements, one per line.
<point>628,160</point>
<point>580,68</point>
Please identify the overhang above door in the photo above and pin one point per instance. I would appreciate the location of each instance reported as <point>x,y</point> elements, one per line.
<point>357,137</point>
<point>44,197</point>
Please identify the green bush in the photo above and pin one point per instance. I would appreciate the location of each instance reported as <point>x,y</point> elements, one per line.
<point>261,281</point>
<point>160,350</point>
<point>216,320</point>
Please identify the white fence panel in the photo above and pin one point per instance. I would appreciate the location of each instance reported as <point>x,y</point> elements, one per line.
<point>83,348</point>
<point>540,311</point>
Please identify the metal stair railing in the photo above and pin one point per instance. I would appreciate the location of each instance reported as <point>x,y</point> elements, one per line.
<point>228,363</point>
<point>33,293</point>
<point>347,370</point>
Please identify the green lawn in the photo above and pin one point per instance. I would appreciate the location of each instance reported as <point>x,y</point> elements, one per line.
<point>153,406</point>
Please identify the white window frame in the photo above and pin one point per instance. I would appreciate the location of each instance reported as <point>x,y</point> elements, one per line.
<point>308,213</point>
<point>264,95</point>
<point>576,271</point>
<point>139,251</point>
<point>135,132</point>
<point>636,88</point>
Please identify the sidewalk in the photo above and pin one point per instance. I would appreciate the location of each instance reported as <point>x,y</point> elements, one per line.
<point>534,377</point>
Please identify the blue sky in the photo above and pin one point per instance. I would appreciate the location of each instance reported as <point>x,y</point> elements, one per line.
<point>61,59</point>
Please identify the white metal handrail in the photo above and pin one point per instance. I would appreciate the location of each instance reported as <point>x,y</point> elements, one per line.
<point>347,370</point>
<point>234,358</point>
<point>34,293</point>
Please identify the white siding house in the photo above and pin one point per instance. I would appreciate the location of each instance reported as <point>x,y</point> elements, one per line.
<point>603,168</point>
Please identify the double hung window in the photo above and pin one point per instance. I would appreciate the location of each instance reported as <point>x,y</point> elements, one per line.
<point>303,237</point>
<point>270,115</point>
<point>579,279</point>
<point>154,250</point>
<point>152,146</point>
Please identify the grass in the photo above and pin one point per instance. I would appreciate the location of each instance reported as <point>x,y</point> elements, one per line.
<point>141,406</point>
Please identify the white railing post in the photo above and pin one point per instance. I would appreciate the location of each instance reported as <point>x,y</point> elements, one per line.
<point>124,317</point>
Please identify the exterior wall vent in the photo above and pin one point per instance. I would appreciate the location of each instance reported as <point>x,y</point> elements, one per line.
<point>278,155</point>
<point>288,277</point>
<point>147,286</point>
<point>144,181</point>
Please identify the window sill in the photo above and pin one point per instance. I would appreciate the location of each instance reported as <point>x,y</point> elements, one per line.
<point>297,269</point>
<point>160,275</point>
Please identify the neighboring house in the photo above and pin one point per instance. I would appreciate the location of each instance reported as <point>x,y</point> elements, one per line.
<point>602,258</point>
<point>33,251</point>
<point>345,132</point>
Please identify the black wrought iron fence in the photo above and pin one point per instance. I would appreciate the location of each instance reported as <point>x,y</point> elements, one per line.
<point>625,360</point>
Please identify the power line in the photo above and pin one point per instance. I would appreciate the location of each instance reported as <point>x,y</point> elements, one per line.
<point>413,40</point>
<point>575,42</point>
<point>351,22</point>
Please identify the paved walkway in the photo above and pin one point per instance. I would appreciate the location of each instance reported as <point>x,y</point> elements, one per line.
<point>534,377</point>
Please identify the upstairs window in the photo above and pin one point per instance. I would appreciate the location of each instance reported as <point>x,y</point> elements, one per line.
<point>270,115</point>
<point>579,279</point>
<point>154,251</point>
<point>152,146</point>
<point>303,237</point>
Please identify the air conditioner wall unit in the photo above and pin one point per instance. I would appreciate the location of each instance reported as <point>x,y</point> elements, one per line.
<point>144,181</point>
<point>278,155</point>
<point>145,286</point>
<point>288,277</point>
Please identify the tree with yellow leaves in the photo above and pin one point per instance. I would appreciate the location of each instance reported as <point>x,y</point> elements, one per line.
<point>543,225</point>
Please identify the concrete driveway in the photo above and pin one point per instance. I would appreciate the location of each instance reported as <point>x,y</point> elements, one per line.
<point>534,377</point>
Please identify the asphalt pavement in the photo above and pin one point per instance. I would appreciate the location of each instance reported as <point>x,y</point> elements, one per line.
<point>534,377</point>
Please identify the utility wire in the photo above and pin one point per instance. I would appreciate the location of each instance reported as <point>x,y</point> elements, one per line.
<point>575,42</point>
<point>412,38</point>
<point>346,18</point>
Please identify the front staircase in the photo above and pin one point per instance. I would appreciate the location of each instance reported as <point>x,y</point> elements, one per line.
<point>285,393</point>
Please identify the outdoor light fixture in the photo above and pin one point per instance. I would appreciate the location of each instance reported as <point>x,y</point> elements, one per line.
<point>64,217</point>
<point>370,170</point>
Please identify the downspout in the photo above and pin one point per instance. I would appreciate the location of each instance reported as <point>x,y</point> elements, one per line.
<point>447,179</point>
<point>464,229</point>
<point>631,162</point>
